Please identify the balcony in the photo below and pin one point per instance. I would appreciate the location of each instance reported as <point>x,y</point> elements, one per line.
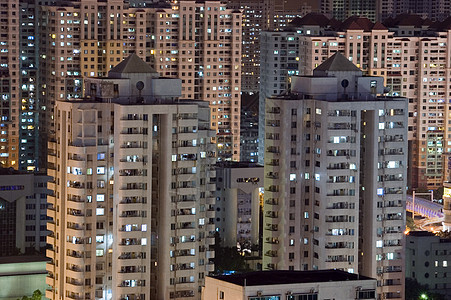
<point>132,269</point>
<point>272,201</point>
<point>331,219</point>
<point>130,241</point>
<point>132,255</point>
<point>272,240</point>
<point>133,214</point>
<point>338,245</point>
<point>272,227</point>
<point>339,205</point>
<point>129,200</point>
<point>182,267</point>
<point>184,252</point>
<point>74,268</point>
<point>272,214</point>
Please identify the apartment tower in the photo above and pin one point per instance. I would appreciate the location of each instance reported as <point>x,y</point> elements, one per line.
<point>335,176</point>
<point>133,190</point>
<point>409,52</point>
<point>200,43</point>
<point>9,84</point>
<point>196,41</point>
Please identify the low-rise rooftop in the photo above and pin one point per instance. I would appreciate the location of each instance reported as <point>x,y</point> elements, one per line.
<point>289,277</point>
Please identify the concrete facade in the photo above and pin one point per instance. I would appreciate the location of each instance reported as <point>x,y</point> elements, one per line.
<point>428,260</point>
<point>133,191</point>
<point>335,176</point>
<point>177,40</point>
<point>238,203</point>
<point>23,210</point>
<point>409,52</point>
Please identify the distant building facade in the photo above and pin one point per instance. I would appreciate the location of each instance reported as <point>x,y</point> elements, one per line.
<point>23,212</point>
<point>391,50</point>
<point>238,206</point>
<point>86,39</point>
<point>428,259</point>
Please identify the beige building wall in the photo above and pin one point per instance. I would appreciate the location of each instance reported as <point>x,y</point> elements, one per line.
<point>200,43</point>
<point>413,67</point>
<point>326,151</point>
<point>133,181</point>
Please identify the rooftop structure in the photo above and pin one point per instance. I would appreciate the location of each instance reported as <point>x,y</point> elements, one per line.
<point>133,203</point>
<point>326,139</point>
<point>291,285</point>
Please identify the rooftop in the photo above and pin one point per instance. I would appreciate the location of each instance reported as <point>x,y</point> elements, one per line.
<point>132,64</point>
<point>338,62</point>
<point>22,259</point>
<point>289,277</point>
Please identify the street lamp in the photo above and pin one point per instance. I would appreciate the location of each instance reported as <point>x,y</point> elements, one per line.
<point>423,296</point>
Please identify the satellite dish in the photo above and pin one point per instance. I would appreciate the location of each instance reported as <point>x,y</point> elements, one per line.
<point>344,83</point>
<point>140,85</point>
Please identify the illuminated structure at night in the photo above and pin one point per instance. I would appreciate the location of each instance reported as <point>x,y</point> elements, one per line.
<point>408,52</point>
<point>133,190</point>
<point>335,176</point>
<point>198,42</point>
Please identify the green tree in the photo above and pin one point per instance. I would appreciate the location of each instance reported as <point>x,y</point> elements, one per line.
<point>410,224</point>
<point>37,295</point>
<point>228,258</point>
<point>415,290</point>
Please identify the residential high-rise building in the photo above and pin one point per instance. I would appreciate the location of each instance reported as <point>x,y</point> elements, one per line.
<point>238,205</point>
<point>343,9</point>
<point>198,42</point>
<point>411,60</point>
<point>249,128</point>
<point>28,119</point>
<point>23,211</point>
<point>427,260</point>
<point>380,10</point>
<point>437,10</point>
<point>9,84</point>
<point>258,16</point>
<point>133,188</point>
<point>335,176</point>
<point>252,24</point>
<point>279,59</point>
<point>391,50</point>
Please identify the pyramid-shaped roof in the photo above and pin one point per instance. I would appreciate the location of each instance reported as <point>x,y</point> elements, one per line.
<point>379,26</point>
<point>132,64</point>
<point>337,62</point>
<point>311,19</point>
